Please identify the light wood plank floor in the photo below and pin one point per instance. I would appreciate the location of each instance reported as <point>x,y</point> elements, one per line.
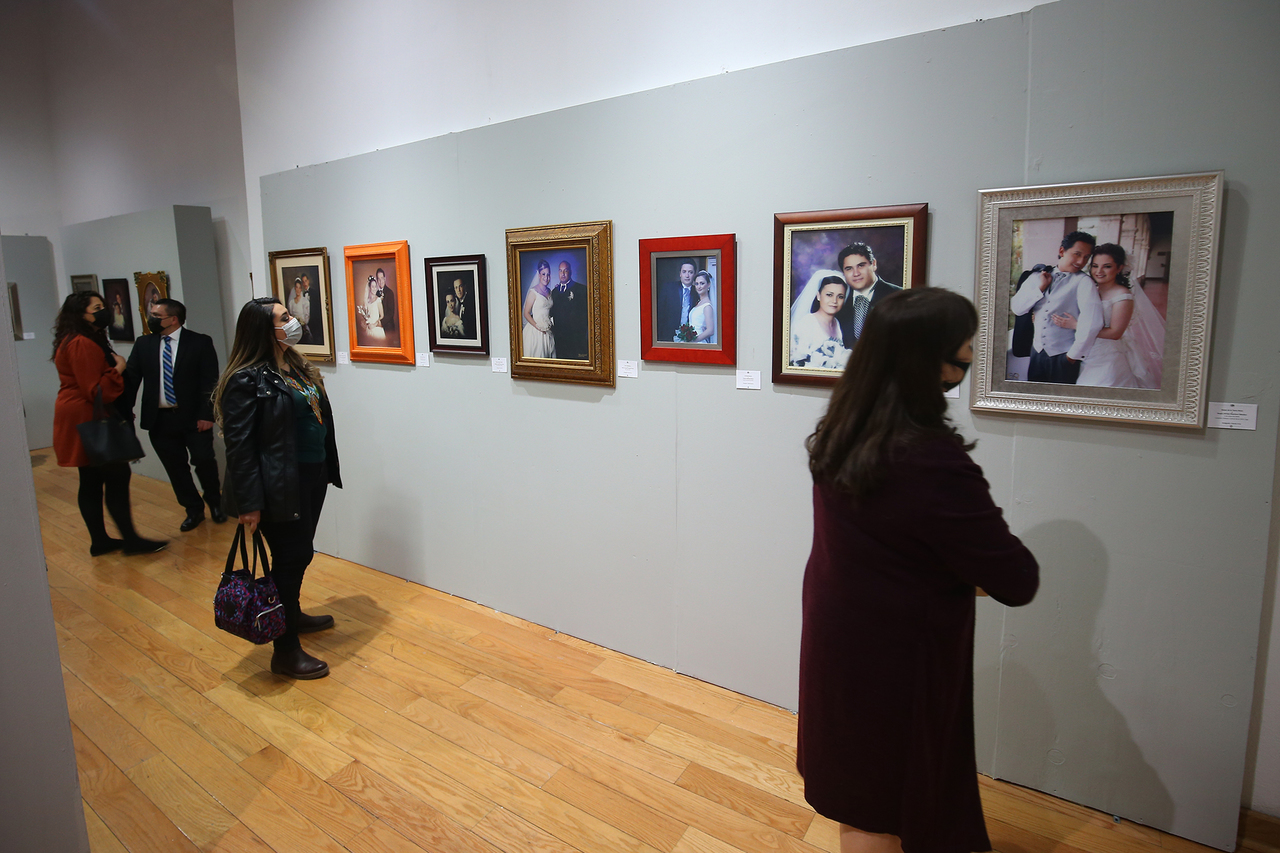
<point>444,726</point>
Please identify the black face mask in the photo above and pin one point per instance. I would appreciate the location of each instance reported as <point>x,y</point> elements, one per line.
<point>155,325</point>
<point>964,368</point>
<point>101,319</point>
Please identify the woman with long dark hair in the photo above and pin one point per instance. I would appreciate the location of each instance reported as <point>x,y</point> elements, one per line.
<point>87,364</point>
<point>904,530</point>
<point>281,457</point>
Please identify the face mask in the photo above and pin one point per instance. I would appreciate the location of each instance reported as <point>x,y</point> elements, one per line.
<point>101,319</point>
<point>292,331</point>
<point>155,324</point>
<point>964,368</point>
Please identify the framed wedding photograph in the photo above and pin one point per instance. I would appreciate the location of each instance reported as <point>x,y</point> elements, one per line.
<point>458,304</point>
<point>830,268</point>
<point>1095,300</point>
<point>687,297</point>
<point>560,286</point>
<point>152,287</point>
<point>380,302</point>
<point>15,311</point>
<point>115,292</point>
<point>300,280</point>
<point>85,284</point>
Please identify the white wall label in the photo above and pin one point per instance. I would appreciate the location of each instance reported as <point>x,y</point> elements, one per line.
<point>29,336</point>
<point>1233,415</point>
<point>499,364</point>
<point>344,357</point>
<point>749,380</point>
<point>629,369</point>
<point>424,359</point>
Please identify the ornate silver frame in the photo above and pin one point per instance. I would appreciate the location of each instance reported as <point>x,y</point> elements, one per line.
<point>1196,202</point>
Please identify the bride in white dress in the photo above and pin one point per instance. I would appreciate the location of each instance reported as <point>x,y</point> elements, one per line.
<point>536,335</point>
<point>703,315</point>
<point>1129,351</point>
<point>816,337</point>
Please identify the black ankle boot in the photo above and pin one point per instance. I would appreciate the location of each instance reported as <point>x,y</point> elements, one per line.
<point>295,663</point>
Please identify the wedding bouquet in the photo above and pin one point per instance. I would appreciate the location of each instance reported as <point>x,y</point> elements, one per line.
<point>686,334</point>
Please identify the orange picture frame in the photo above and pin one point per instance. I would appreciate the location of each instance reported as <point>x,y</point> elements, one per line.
<point>380,302</point>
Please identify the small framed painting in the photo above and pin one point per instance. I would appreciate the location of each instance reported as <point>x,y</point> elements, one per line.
<point>115,291</point>
<point>152,287</point>
<point>380,302</point>
<point>687,299</point>
<point>458,304</point>
<point>300,279</point>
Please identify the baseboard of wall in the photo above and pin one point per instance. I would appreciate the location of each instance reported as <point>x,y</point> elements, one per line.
<point>1259,833</point>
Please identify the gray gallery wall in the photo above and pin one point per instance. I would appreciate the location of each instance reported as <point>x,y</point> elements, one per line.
<point>40,807</point>
<point>670,517</point>
<point>178,239</point>
<point>29,264</point>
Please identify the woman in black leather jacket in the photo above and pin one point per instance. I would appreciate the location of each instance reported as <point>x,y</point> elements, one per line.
<point>281,458</point>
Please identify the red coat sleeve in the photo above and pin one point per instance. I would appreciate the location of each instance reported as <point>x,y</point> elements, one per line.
<point>90,368</point>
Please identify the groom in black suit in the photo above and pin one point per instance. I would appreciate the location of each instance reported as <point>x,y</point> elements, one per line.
<point>858,264</point>
<point>569,315</point>
<point>178,369</point>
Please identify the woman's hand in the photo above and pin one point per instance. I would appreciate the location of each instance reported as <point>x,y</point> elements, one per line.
<point>120,362</point>
<point>1063,321</point>
<point>1046,279</point>
<point>250,520</point>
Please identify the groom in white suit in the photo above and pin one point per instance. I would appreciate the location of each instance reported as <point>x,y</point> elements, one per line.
<point>1064,290</point>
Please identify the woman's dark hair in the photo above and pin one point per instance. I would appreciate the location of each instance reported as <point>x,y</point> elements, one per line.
<point>71,322</point>
<point>255,343</point>
<point>1117,254</point>
<point>822,285</point>
<point>890,395</point>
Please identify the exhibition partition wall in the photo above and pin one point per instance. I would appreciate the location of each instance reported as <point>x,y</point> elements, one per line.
<point>669,516</point>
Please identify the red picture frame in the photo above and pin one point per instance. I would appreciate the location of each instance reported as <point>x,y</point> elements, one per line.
<point>661,269</point>
<point>388,337</point>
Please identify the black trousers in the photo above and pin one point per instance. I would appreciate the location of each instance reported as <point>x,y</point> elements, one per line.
<point>112,483</point>
<point>292,545</point>
<point>1052,368</point>
<point>174,442</point>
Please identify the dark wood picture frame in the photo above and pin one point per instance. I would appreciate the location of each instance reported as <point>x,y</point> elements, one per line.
<point>290,267</point>
<point>661,260</point>
<point>85,283</point>
<point>807,243</point>
<point>365,328</point>
<point>121,328</point>
<point>588,248</point>
<point>448,327</point>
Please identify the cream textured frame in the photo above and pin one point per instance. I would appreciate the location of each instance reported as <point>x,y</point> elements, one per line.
<point>1195,201</point>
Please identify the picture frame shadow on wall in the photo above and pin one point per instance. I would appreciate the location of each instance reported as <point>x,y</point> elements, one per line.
<point>152,286</point>
<point>380,302</point>
<point>458,304</point>
<point>115,292</point>
<point>830,268</point>
<point>85,283</point>
<point>300,280</point>
<point>688,289</point>
<point>1117,330</point>
<point>560,289</point>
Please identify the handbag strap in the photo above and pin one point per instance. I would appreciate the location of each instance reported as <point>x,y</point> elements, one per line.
<point>260,548</point>
<point>99,407</point>
<point>238,539</point>
<point>259,553</point>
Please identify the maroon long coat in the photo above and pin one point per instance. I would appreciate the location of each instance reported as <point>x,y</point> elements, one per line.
<point>82,367</point>
<point>886,651</point>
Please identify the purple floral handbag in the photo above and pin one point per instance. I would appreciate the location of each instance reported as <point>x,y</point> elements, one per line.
<point>246,605</point>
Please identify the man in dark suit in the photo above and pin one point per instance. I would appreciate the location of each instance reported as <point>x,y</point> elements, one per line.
<point>858,264</point>
<point>569,315</point>
<point>466,309</point>
<point>389,318</point>
<point>178,369</point>
<point>674,302</point>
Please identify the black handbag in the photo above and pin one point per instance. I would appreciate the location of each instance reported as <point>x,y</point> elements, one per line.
<point>246,605</point>
<point>108,437</point>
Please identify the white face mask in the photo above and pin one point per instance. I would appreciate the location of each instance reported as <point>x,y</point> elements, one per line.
<point>292,331</point>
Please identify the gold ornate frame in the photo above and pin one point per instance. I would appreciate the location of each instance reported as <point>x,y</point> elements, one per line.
<point>142,281</point>
<point>1196,203</point>
<point>281,284</point>
<point>595,240</point>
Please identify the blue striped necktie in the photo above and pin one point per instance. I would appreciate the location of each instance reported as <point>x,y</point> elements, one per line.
<point>169,397</point>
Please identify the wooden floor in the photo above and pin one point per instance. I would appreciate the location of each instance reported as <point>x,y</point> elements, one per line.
<point>444,726</point>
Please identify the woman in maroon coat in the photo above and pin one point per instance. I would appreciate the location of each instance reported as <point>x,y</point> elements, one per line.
<point>904,530</point>
<point>85,364</point>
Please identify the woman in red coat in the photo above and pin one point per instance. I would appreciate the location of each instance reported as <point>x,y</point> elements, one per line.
<point>86,363</point>
<point>904,530</point>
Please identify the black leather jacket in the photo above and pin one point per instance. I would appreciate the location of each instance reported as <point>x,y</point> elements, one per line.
<point>260,434</point>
